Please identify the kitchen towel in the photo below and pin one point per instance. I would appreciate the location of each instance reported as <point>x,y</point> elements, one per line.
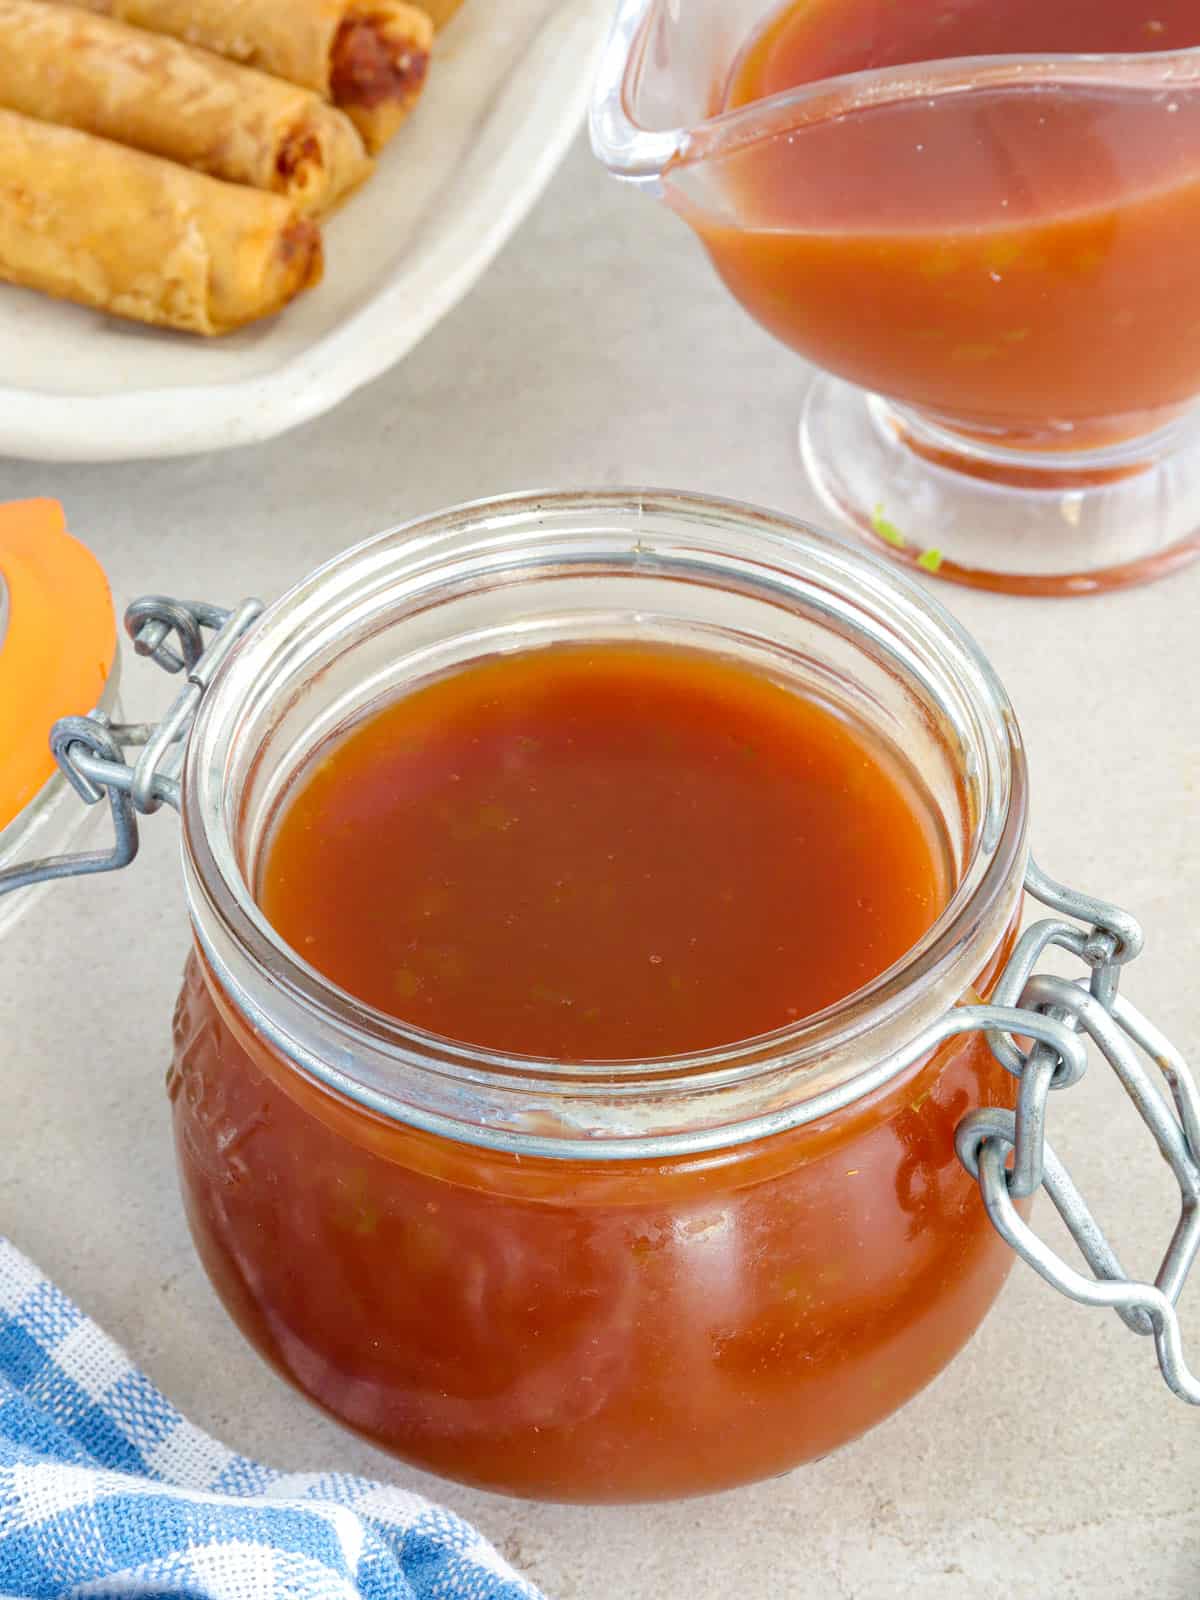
<point>105,1489</point>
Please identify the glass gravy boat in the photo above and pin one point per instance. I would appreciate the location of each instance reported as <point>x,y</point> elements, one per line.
<point>994,260</point>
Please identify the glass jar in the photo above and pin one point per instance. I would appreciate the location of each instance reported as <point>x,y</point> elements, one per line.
<point>586,1281</point>
<point>58,641</point>
<point>635,1279</point>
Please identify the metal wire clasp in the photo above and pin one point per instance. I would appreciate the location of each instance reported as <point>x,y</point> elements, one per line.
<point>90,750</point>
<point>986,1139</point>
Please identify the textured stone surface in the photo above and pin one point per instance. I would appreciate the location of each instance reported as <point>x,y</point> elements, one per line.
<point>1049,1461</point>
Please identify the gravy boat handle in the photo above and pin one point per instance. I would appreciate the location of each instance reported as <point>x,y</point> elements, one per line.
<point>639,155</point>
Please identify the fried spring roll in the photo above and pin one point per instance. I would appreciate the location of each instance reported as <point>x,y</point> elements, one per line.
<point>369,57</point>
<point>440,11</point>
<point>171,99</point>
<point>87,220</point>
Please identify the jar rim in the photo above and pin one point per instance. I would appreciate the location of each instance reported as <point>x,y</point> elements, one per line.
<point>701,1100</point>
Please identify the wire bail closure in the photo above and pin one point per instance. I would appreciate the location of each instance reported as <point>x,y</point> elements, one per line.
<point>1005,1151</point>
<point>1091,1008</point>
<point>90,751</point>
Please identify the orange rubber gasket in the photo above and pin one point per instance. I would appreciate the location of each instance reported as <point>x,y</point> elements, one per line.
<point>58,649</point>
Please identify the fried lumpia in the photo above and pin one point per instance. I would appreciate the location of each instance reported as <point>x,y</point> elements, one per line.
<point>440,11</point>
<point>171,99</point>
<point>369,57</point>
<point>88,220</point>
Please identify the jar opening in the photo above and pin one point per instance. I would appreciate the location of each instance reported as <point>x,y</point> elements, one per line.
<point>605,851</point>
<point>524,572</point>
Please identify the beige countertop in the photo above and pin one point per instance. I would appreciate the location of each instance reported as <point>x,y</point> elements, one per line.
<point>1049,1463</point>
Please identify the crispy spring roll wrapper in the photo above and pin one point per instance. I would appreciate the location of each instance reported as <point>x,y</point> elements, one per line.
<point>440,11</point>
<point>369,57</point>
<point>174,100</point>
<point>87,220</point>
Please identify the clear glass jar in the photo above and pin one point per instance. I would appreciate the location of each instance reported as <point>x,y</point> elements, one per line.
<point>51,823</point>
<point>57,658</point>
<point>602,1281</point>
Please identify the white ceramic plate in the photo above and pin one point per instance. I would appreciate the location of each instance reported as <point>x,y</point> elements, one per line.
<point>505,97</point>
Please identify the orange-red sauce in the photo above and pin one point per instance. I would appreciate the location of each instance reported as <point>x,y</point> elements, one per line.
<point>1008,258</point>
<point>603,852</point>
<point>527,853</point>
<point>813,39</point>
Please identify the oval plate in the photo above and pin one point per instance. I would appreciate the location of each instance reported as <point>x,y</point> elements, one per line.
<point>504,101</point>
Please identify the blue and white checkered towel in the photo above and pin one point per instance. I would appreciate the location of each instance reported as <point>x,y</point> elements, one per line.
<point>106,1490</point>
